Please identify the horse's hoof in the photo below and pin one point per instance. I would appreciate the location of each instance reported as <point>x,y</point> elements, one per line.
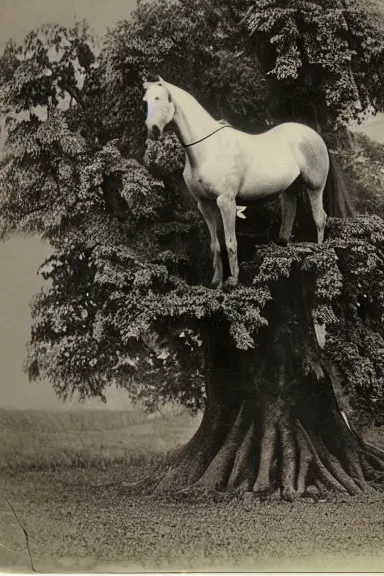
<point>282,242</point>
<point>216,284</point>
<point>230,283</point>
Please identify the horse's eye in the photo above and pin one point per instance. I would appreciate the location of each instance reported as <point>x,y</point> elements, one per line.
<point>157,98</point>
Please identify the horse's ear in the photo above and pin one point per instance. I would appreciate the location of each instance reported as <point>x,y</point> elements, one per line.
<point>164,85</point>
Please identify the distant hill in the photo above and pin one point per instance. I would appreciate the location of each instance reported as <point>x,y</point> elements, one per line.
<point>37,439</point>
<point>28,421</point>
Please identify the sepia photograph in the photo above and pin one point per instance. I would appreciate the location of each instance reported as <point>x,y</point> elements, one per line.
<point>191,286</point>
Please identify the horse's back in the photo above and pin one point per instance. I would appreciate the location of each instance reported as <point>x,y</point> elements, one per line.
<point>255,165</point>
<point>278,156</point>
<point>302,140</point>
<point>293,130</point>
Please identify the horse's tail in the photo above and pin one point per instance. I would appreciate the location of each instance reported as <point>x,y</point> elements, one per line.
<point>337,200</point>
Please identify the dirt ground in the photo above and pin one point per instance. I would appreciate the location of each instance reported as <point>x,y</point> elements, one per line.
<point>83,520</point>
<point>64,477</point>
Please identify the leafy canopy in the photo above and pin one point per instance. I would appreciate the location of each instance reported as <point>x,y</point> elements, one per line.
<point>326,54</point>
<point>126,298</point>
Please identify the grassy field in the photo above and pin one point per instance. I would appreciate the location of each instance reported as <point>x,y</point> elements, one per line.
<point>65,475</point>
<point>36,440</point>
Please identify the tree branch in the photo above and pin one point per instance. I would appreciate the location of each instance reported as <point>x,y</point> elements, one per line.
<point>74,94</point>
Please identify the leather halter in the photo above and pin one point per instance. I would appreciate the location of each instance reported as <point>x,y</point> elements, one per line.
<point>205,137</point>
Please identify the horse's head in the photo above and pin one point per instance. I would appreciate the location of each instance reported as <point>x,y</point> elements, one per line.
<point>160,108</point>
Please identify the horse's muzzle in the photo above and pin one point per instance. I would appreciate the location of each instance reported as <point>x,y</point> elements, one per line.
<point>154,132</point>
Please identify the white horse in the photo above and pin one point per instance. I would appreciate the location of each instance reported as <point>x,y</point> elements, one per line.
<point>224,165</point>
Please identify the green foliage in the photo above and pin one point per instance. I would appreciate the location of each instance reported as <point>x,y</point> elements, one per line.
<point>126,299</point>
<point>363,163</point>
<point>51,64</point>
<point>165,157</point>
<point>199,47</point>
<point>326,57</point>
<point>356,340</point>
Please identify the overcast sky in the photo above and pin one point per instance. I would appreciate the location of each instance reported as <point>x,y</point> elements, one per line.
<point>18,17</point>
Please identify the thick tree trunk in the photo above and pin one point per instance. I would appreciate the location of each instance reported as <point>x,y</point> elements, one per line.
<point>271,425</point>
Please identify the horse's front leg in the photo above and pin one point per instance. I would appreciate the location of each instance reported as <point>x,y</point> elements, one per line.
<point>227,206</point>
<point>211,216</point>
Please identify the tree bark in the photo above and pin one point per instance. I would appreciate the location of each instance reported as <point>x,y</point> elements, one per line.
<point>270,425</point>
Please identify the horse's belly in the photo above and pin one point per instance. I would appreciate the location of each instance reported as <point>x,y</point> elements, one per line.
<point>249,172</point>
<point>261,183</point>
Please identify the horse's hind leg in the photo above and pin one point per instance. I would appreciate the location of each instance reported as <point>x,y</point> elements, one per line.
<point>212,217</point>
<point>318,212</point>
<point>288,203</point>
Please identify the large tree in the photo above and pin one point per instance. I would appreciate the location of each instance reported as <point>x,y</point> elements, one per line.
<point>279,362</point>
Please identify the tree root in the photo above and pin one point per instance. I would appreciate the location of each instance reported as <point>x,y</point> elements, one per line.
<point>267,451</point>
<point>289,453</point>
<point>324,476</point>
<point>217,474</point>
<point>243,473</point>
<point>269,455</point>
<point>305,461</point>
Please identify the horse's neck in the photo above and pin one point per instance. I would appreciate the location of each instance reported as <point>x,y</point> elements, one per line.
<point>191,120</point>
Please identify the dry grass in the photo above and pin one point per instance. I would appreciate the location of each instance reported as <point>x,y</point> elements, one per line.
<point>67,421</point>
<point>36,440</point>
